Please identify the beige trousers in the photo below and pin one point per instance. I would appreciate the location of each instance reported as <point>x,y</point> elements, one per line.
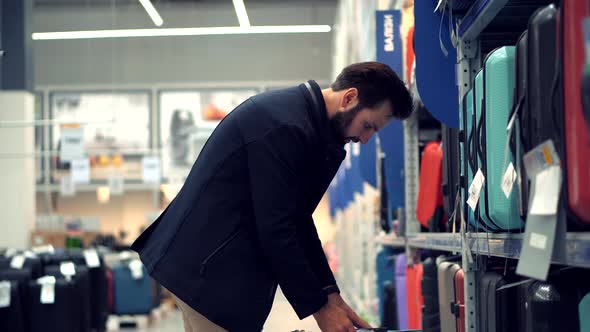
<point>194,321</point>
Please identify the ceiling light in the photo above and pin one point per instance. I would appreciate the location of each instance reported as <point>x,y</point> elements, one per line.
<point>152,12</point>
<point>127,33</point>
<point>241,12</point>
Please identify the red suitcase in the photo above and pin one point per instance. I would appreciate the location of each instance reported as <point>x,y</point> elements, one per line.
<point>414,297</point>
<point>430,195</point>
<point>459,307</point>
<point>577,139</point>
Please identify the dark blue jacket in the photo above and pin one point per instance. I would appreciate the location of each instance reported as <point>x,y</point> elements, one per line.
<point>242,221</point>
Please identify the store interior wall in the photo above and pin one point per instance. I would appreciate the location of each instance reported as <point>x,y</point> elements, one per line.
<point>173,61</point>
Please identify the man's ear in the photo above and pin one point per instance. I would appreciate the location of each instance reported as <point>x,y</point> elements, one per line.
<point>349,97</point>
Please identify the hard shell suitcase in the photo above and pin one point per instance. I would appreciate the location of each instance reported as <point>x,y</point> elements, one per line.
<point>459,305</point>
<point>496,307</point>
<point>446,296</point>
<point>451,170</point>
<point>430,310</point>
<point>12,314</point>
<point>401,290</point>
<point>81,281</point>
<point>31,262</point>
<point>415,301</point>
<point>132,294</point>
<point>584,313</point>
<point>430,197</point>
<point>498,79</point>
<point>468,153</point>
<point>59,316</point>
<point>390,306</point>
<point>576,132</point>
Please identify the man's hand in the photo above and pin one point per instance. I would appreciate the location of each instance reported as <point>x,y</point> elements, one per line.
<point>337,300</point>
<point>337,316</point>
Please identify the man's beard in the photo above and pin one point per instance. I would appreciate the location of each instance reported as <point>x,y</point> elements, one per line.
<point>341,121</point>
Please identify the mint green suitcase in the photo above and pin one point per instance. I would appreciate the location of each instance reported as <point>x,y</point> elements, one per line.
<point>584,312</point>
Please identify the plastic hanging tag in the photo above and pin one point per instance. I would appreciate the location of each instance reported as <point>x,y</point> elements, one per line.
<point>136,268</point>
<point>546,194</point>
<point>4,294</point>
<point>540,158</point>
<point>68,269</point>
<point>475,189</point>
<point>17,262</point>
<point>508,180</point>
<point>92,259</point>
<point>47,289</point>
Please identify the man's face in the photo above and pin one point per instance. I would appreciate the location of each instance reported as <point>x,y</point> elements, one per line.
<point>356,124</point>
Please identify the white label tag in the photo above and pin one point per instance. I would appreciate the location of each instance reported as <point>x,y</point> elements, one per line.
<point>68,269</point>
<point>81,170</point>
<point>136,268</point>
<point>91,257</point>
<point>17,262</point>
<point>116,184</point>
<point>547,188</point>
<point>47,289</point>
<point>151,170</point>
<point>4,294</point>
<point>72,144</point>
<point>475,189</point>
<point>508,180</point>
<point>67,187</point>
<point>538,241</point>
<point>540,158</point>
<point>356,149</point>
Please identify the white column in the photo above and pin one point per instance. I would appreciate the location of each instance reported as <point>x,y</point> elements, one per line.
<point>17,169</point>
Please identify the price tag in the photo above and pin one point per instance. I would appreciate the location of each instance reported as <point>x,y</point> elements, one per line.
<point>508,180</point>
<point>136,268</point>
<point>17,262</point>
<point>47,289</point>
<point>4,294</point>
<point>151,170</point>
<point>475,189</point>
<point>67,187</point>
<point>68,269</point>
<point>91,257</point>
<point>546,193</point>
<point>116,184</point>
<point>81,170</point>
<point>541,158</point>
<point>72,144</point>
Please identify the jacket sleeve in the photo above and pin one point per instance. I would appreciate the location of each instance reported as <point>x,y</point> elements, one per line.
<point>315,253</point>
<point>274,163</point>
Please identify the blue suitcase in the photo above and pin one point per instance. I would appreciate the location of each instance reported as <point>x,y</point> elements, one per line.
<point>498,81</point>
<point>584,313</point>
<point>132,296</point>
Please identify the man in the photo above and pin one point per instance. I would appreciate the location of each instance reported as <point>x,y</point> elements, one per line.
<point>242,222</point>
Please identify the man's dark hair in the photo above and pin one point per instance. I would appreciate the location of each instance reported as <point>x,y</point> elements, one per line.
<point>376,83</point>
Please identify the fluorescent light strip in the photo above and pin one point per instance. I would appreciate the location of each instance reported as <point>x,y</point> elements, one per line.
<point>152,12</point>
<point>127,33</point>
<point>241,13</point>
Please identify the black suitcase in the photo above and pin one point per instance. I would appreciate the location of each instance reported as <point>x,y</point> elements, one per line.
<point>81,282</point>
<point>390,318</point>
<point>451,171</point>
<point>59,316</point>
<point>12,316</point>
<point>430,310</point>
<point>33,264</point>
<point>497,307</point>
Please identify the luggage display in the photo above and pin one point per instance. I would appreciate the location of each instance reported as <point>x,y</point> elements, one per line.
<point>430,310</point>
<point>499,212</point>
<point>131,288</point>
<point>59,315</point>
<point>584,313</point>
<point>415,301</point>
<point>459,304</point>
<point>429,207</point>
<point>446,295</point>
<point>401,290</point>
<point>12,312</point>
<point>497,308</point>
<point>81,281</point>
<point>390,306</point>
<point>576,132</point>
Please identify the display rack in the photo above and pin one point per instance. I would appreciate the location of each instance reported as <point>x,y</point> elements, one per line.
<point>481,13</point>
